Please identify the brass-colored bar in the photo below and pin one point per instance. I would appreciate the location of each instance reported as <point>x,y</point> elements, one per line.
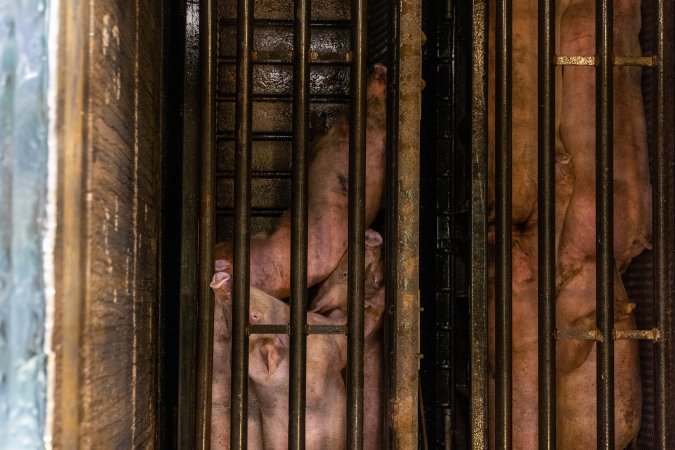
<point>575,60</point>
<point>503,269</point>
<point>642,61</point>
<point>478,300</point>
<point>298,300</point>
<point>604,223</point>
<point>663,229</point>
<point>357,229</point>
<point>242,225</point>
<point>546,231</point>
<point>207,219</point>
<point>647,335</point>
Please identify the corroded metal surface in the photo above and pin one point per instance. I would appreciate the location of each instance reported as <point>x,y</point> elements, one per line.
<point>406,328</point>
<point>478,308</point>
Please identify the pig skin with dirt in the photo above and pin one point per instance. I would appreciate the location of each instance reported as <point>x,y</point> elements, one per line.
<point>575,222</point>
<point>327,202</point>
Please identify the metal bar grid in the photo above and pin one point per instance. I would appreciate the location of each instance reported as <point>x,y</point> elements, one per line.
<point>242,224</point>
<point>299,232</point>
<point>478,301</point>
<point>503,240</point>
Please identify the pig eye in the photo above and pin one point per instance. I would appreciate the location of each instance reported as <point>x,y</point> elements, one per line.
<point>344,275</point>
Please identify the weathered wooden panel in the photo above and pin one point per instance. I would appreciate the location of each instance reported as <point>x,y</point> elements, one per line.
<point>117,227</point>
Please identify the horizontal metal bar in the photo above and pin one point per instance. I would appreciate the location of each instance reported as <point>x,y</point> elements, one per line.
<point>587,335</point>
<point>268,329</point>
<point>316,98</point>
<point>642,61</point>
<point>258,136</point>
<point>285,329</point>
<point>647,335</point>
<point>286,57</point>
<point>596,335</point>
<point>327,329</point>
<point>259,212</point>
<point>290,22</point>
<point>224,174</point>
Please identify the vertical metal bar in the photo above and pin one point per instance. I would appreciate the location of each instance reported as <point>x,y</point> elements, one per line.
<point>478,302</point>
<point>503,376</point>
<point>187,328</point>
<point>357,229</point>
<point>391,211</point>
<point>663,225</point>
<point>604,224</point>
<point>242,224</point>
<point>407,225</point>
<point>207,216</point>
<point>546,231</point>
<point>298,355</point>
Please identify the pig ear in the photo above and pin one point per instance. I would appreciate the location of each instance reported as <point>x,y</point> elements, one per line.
<point>223,265</point>
<point>271,353</point>
<point>220,279</point>
<point>373,238</point>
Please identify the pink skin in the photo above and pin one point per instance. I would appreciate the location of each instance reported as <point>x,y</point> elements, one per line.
<point>331,301</point>
<point>575,227</point>
<point>327,202</point>
<point>221,385</point>
<point>326,424</point>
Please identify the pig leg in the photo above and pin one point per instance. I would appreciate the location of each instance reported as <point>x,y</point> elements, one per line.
<point>327,202</point>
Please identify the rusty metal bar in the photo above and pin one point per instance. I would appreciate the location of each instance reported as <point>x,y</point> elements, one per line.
<point>604,223</point>
<point>478,301</point>
<point>584,335</point>
<point>409,76</point>
<point>546,231</point>
<point>207,219</point>
<point>503,269</point>
<point>642,61</point>
<point>298,351</point>
<point>357,229</point>
<point>646,335</point>
<point>662,185</point>
<point>242,225</point>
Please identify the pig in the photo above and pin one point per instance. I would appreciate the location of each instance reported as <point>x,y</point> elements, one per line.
<point>326,419</point>
<point>221,382</point>
<point>575,236</point>
<point>331,301</point>
<point>327,202</point>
